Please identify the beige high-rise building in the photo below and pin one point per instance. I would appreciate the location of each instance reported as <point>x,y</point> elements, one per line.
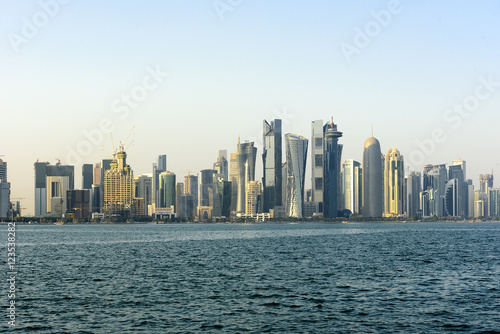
<point>253,195</point>
<point>394,179</point>
<point>118,188</point>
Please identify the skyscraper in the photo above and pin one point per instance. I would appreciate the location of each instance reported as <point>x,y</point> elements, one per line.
<point>179,191</point>
<point>372,179</point>
<point>485,182</point>
<point>4,191</point>
<point>494,202</point>
<point>352,180</point>
<point>233,177</point>
<point>221,165</point>
<point>451,198</point>
<point>87,176</point>
<point>253,195</point>
<point>246,154</point>
<point>296,157</point>
<point>434,183</point>
<point>413,189</point>
<point>118,188</point>
<point>271,159</point>
<point>394,177</point>
<point>317,162</point>
<point>159,167</point>
<point>206,187</point>
<point>456,171</point>
<point>105,166</point>
<point>191,188</point>
<point>167,189</point>
<point>331,170</point>
<point>51,184</point>
<point>143,185</point>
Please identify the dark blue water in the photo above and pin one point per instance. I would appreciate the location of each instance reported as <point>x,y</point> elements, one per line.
<point>282,278</point>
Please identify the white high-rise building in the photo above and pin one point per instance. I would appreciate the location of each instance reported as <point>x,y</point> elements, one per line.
<point>296,157</point>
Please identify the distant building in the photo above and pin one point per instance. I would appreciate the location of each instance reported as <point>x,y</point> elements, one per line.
<point>331,170</point>
<point>352,181</point>
<point>456,171</point>
<point>187,206</point>
<point>494,202</point>
<point>179,191</point>
<point>317,162</point>
<point>5,210</point>
<point>394,177</point>
<point>296,157</point>
<point>167,189</point>
<point>78,203</point>
<point>373,179</point>
<point>271,159</point>
<point>87,176</point>
<point>451,198</point>
<point>118,188</point>
<point>159,167</point>
<point>485,182</point>
<point>246,155</point>
<point>143,188</point>
<point>191,187</point>
<point>105,166</point>
<point>221,166</point>
<point>434,182</point>
<point>253,197</point>
<point>233,177</point>
<point>51,184</point>
<point>413,189</point>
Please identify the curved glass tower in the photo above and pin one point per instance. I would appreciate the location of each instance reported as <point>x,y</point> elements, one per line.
<point>372,179</point>
<point>296,156</point>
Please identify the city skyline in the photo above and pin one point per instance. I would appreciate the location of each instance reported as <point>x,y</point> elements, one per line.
<point>420,89</point>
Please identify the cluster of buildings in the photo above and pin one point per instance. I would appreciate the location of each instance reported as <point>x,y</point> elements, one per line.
<point>376,187</point>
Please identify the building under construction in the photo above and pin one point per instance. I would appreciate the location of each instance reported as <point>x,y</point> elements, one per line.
<point>118,188</point>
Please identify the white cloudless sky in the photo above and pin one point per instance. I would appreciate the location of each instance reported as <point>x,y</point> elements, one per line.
<point>231,68</point>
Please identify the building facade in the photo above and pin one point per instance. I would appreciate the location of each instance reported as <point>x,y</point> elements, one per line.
<point>296,157</point>
<point>331,170</point>
<point>394,182</point>
<point>272,161</point>
<point>372,179</point>
<point>118,188</point>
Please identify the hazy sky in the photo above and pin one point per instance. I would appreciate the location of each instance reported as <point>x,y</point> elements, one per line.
<point>192,75</point>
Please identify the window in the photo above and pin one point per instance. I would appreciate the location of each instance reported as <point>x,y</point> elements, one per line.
<point>318,183</point>
<point>318,160</point>
<point>318,142</point>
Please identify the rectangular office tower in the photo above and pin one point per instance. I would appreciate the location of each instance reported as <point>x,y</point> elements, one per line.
<point>272,161</point>
<point>51,184</point>
<point>4,191</point>
<point>317,162</point>
<point>159,167</point>
<point>87,176</point>
<point>331,170</point>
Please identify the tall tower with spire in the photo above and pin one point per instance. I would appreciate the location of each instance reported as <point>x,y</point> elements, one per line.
<point>331,169</point>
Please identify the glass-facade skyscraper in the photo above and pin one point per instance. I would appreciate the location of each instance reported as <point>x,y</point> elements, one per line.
<point>271,159</point>
<point>246,154</point>
<point>296,157</point>
<point>167,189</point>
<point>331,170</point>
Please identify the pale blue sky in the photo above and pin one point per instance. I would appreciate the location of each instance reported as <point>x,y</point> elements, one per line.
<point>264,60</point>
